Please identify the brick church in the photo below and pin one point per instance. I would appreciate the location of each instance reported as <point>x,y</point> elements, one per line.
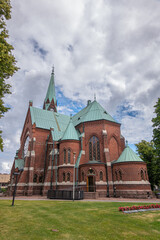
<point>55,147</point>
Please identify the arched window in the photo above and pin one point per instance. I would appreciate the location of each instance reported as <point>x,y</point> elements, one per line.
<point>35,178</point>
<point>91,171</point>
<point>101,176</point>
<point>116,175</point>
<point>40,179</point>
<point>68,177</point>
<point>69,155</point>
<point>64,156</point>
<point>64,176</point>
<point>94,149</point>
<point>120,176</point>
<point>146,175</point>
<point>142,175</point>
<point>82,176</point>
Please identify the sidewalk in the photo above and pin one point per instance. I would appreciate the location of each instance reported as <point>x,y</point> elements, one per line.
<point>44,198</point>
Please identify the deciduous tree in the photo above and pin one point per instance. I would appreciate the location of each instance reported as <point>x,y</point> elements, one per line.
<point>147,153</point>
<point>7,60</point>
<point>156,138</point>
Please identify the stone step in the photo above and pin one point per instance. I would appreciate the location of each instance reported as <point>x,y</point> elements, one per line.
<point>94,195</point>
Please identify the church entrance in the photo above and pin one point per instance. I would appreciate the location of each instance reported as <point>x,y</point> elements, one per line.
<point>91,185</point>
<point>91,181</point>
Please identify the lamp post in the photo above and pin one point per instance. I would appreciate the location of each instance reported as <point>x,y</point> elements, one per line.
<point>19,165</point>
<point>74,156</point>
<point>15,187</point>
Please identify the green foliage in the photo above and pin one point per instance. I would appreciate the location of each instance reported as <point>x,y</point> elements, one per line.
<point>147,153</point>
<point>39,220</point>
<point>7,61</point>
<point>156,138</point>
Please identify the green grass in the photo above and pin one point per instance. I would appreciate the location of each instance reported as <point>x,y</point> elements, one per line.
<point>34,220</point>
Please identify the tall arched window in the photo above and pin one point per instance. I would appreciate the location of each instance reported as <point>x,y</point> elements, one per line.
<point>64,176</point>
<point>142,175</point>
<point>64,156</point>
<point>69,155</point>
<point>120,175</point>
<point>101,176</point>
<point>116,175</point>
<point>35,178</point>
<point>145,174</point>
<point>68,177</point>
<point>94,149</point>
<point>82,176</point>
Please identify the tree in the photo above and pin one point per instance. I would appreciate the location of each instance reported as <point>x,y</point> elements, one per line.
<point>156,139</point>
<point>147,153</point>
<point>7,60</point>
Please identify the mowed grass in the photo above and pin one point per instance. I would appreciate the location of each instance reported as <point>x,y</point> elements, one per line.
<point>36,220</point>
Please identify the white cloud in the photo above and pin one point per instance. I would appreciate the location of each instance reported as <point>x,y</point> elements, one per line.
<point>110,48</point>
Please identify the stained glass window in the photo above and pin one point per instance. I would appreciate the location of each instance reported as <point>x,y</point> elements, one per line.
<point>101,176</point>
<point>64,156</point>
<point>68,177</point>
<point>69,155</point>
<point>116,175</point>
<point>120,175</point>
<point>142,175</point>
<point>35,178</point>
<point>82,176</point>
<point>94,149</point>
<point>90,151</point>
<point>64,176</point>
<point>146,175</point>
<point>91,171</point>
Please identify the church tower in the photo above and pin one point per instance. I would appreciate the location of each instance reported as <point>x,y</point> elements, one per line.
<point>50,102</point>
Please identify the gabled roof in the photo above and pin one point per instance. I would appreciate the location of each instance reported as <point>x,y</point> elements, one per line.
<point>49,119</point>
<point>92,112</point>
<point>128,155</point>
<point>70,132</point>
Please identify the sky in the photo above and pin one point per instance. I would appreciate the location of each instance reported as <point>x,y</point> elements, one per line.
<point>108,48</point>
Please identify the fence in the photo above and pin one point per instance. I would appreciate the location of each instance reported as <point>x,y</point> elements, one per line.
<point>65,194</point>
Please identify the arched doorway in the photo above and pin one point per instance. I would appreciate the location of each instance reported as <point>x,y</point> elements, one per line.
<point>91,181</point>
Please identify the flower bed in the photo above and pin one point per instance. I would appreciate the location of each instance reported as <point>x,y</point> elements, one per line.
<point>139,207</point>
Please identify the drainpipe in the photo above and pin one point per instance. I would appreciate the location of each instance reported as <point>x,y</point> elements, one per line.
<point>45,158</point>
<point>78,166</point>
<point>56,167</point>
<point>114,188</point>
<point>107,181</point>
<point>52,166</point>
<point>105,136</point>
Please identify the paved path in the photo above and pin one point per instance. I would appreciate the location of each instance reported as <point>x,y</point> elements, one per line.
<point>42,198</point>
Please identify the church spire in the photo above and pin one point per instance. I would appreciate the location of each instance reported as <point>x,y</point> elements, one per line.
<point>50,102</point>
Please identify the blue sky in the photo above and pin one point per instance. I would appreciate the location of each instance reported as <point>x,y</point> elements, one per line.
<point>107,48</point>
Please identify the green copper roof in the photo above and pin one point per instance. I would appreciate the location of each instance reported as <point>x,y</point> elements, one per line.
<point>51,91</point>
<point>70,132</point>
<point>49,119</point>
<point>92,112</point>
<point>128,155</point>
<point>56,135</point>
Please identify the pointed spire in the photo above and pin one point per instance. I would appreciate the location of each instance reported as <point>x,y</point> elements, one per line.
<point>94,97</point>
<point>50,99</point>
<point>53,70</point>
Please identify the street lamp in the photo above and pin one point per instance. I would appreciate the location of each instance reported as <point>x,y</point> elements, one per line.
<point>74,156</point>
<point>15,187</point>
<point>19,164</point>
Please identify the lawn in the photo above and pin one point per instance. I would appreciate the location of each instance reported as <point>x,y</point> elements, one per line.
<point>38,220</point>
